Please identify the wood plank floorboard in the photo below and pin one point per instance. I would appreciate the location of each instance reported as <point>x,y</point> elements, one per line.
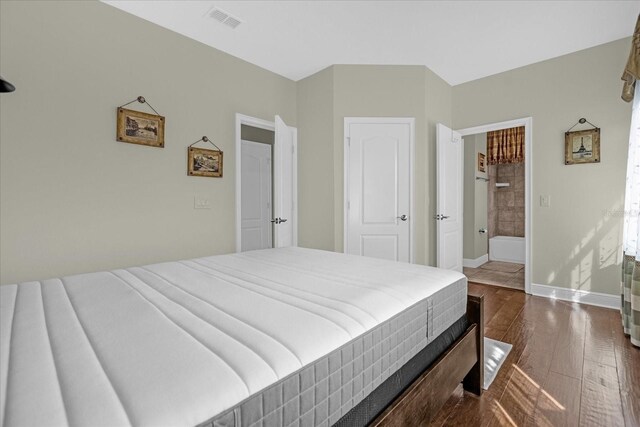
<point>559,402</point>
<point>570,365</point>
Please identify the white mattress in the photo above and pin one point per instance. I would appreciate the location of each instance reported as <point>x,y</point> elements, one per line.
<point>178,343</point>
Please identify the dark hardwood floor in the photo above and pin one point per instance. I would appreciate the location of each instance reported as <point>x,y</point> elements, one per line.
<point>570,365</point>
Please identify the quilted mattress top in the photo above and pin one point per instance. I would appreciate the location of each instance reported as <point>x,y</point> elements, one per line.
<point>179,342</point>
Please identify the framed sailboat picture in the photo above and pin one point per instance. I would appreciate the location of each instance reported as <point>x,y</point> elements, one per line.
<point>582,147</point>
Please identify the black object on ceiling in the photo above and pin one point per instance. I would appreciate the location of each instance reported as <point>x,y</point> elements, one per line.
<point>5,86</point>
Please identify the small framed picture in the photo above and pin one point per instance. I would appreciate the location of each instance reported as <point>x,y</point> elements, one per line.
<point>582,147</point>
<point>481,163</point>
<point>203,162</point>
<point>141,128</point>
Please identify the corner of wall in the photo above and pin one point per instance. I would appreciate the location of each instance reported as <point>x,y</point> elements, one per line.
<point>315,98</point>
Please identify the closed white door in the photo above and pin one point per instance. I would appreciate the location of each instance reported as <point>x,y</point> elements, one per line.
<point>378,188</point>
<point>256,196</point>
<point>449,198</point>
<point>285,177</point>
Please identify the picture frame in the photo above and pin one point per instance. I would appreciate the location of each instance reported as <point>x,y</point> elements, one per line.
<point>136,127</point>
<point>482,163</point>
<point>204,162</point>
<point>582,147</point>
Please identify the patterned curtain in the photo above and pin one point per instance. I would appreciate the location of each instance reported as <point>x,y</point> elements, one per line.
<point>632,70</point>
<point>631,235</point>
<point>506,146</point>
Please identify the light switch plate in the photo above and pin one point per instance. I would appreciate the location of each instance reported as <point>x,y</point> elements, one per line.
<point>201,202</point>
<point>545,201</point>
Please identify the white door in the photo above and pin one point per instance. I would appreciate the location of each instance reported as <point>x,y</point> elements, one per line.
<point>449,203</point>
<point>378,188</point>
<point>256,196</point>
<point>285,179</point>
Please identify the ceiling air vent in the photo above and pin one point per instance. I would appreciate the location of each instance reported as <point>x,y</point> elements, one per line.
<point>222,16</point>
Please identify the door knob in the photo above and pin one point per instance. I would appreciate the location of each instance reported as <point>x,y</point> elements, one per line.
<point>403,218</point>
<point>279,220</point>
<point>441,217</point>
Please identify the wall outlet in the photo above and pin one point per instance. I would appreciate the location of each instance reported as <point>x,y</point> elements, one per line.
<point>201,202</point>
<point>545,201</point>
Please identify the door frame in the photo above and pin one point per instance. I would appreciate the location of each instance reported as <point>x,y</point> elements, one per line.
<point>411,121</point>
<point>527,122</point>
<point>242,119</point>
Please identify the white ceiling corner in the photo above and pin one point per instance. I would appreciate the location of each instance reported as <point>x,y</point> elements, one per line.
<point>458,40</point>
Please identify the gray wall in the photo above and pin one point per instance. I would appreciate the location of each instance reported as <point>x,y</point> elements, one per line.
<point>340,91</point>
<point>72,199</point>
<point>315,161</point>
<point>250,133</point>
<point>475,198</point>
<point>576,240</point>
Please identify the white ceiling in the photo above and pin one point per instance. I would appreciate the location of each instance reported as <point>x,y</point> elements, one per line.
<point>458,40</point>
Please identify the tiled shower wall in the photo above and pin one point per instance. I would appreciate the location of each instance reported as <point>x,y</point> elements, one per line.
<point>505,214</point>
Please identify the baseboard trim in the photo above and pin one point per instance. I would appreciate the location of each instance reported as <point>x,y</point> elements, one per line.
<point>576,295</point>
<point>475,263</point>
<point>512,261</point>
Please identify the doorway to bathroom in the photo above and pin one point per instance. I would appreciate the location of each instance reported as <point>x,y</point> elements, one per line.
<point>496,219</point>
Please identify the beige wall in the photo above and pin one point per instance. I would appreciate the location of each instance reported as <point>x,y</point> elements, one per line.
<point>72,199</point>
<point>340,91</point>
<point>377,91</point>
<point>576,240</point>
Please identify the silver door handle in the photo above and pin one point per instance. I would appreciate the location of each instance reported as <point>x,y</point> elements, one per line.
<point>279,220</point>
<point>440,217</point>
<point>403,218</point>
<point>283,220</point>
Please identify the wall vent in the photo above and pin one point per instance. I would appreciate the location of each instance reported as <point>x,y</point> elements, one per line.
<point>223,17</point>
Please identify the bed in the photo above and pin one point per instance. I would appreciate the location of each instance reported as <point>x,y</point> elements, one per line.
<point>287,336</point>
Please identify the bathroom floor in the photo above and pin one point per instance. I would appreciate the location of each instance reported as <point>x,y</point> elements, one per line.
<point>496,273</point>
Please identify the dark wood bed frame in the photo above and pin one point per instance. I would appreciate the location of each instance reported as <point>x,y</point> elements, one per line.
<point>461,362</point>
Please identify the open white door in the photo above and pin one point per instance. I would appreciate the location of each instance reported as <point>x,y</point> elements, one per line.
<point>285,186</point>
<point>449,203</point>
